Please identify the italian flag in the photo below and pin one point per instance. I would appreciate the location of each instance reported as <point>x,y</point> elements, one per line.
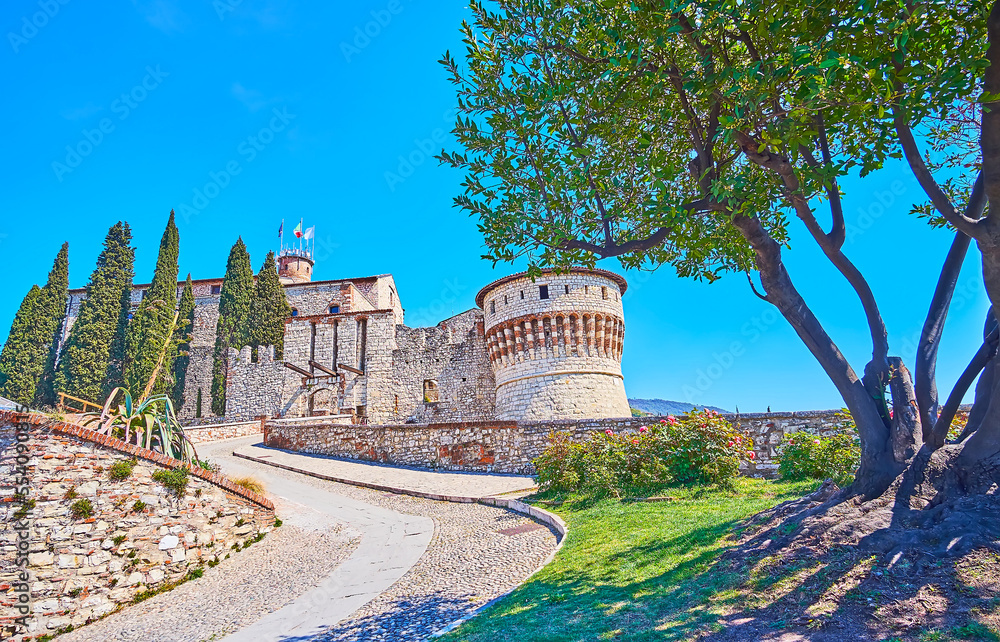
<point>298,230</point>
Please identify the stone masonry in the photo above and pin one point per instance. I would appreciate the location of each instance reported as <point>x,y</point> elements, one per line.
<point>555,344</point>
<point>509,446</point>
<point>139,535</point>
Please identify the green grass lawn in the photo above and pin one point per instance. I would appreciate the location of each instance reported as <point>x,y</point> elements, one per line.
<point>631,571</point>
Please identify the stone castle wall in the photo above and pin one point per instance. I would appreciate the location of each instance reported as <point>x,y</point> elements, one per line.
<point>555,345</point>
<point>510,447</point>
<point>442,373</point>
<point>84,567</point>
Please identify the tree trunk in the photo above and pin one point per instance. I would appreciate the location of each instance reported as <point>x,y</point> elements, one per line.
<point>878,466</point>
<point>906,429</point>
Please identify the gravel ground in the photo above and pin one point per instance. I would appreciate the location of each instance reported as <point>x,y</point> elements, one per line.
<point>250,584</point>
<point>468,563</point>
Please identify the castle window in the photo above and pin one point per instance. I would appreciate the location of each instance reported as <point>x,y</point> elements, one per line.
<point>586,289</point>
<point>295,312</point>
<point>522,294</point>
<point>392,297</point>
<point>362,343</point>
<point>430,391</point>
<point>334,309</point>
<point>505,299</point>
<point>543,291</point>
<point>567,288</point>
<point>604,292</point>
<point>493,307</point>
<point>216,289</point>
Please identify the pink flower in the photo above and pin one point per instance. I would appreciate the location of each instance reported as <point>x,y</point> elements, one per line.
<point>663,421</point>
<point>609,432</point>
<point>672,419</point>
<point>635,441</point>
<point>752,454</point>
<point>815,441</point>
<point>643,428</point>
<point>730,444</point>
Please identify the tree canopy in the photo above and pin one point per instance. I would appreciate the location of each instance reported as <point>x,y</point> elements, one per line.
<point>86,365</point>
<point>691,133</point>
<point>149,329</point>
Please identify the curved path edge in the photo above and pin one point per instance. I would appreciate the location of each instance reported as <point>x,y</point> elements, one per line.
<point>551,520</point>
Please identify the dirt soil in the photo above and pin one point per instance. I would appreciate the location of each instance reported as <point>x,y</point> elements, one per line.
<point>920,563</point>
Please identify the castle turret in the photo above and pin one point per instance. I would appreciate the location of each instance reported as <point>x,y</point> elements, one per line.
<point>555,344</point>
<point>295,266</point>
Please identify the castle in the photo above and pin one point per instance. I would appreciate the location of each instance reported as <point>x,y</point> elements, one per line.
<point>548,348</point>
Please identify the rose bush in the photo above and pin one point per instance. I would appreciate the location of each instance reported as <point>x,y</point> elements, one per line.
<point>701,447</point>
<point>804,455</point>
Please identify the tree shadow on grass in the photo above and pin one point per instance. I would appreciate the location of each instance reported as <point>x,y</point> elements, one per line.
<point>779,582</point>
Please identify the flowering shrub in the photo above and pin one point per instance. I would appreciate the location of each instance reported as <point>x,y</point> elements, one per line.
<point>804,456</point>
<point>699,448</point>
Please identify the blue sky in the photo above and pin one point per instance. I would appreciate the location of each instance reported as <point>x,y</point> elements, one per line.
<point>239,114</point>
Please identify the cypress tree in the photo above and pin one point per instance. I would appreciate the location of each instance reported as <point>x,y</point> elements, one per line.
<point>15,381</point>
<point>150,329</point>
<point>50,314</point>
<point>183,336</point>
<point>271,308</point>
<point>87,366</point>
<point>233,327</point>
<point>28,354</point>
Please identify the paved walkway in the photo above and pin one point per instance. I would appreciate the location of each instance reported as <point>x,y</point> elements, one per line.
<point>411,481</point>
<point>391,543</point>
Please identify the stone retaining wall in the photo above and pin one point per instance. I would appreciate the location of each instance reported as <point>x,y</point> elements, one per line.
<point>81,567</point>
<point>217,432</point>
<point>507,446</point>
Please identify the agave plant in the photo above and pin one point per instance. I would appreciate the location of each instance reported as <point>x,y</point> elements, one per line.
<point>150,423</point>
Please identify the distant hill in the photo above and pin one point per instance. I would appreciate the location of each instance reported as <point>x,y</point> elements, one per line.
<point>664,407</point>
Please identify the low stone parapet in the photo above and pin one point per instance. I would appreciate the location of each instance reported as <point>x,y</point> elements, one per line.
<point>508,446</point>
<point>217,432</point>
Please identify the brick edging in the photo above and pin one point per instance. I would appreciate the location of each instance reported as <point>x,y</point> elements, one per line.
<point>113,443</point>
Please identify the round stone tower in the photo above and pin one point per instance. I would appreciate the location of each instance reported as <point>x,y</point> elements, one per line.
<point>295,266</point>
<point>555,344</point>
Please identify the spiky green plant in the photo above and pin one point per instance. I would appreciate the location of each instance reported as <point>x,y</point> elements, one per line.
<point>149,423</point>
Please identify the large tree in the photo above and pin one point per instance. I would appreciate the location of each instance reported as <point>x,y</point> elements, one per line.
<point>14,360</point>
<point>51,317</point>
<point>270,309</point>
<point>150,329</point>
<point>234,327</point>
<point>87,367</point>
<point>28,358</point>
<point>183,335</point>
<point>690,133</point>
